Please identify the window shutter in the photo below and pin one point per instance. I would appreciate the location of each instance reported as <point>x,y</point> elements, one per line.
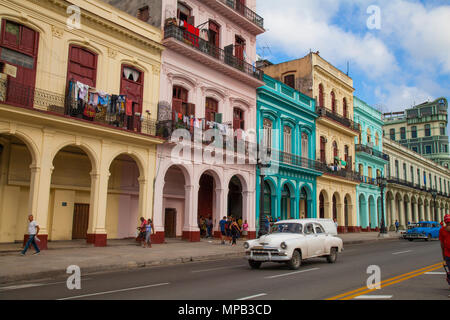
<point>229,54</point>
<point>177,105</point>
<point>218,118</point>
<point>191,21</point>
<point>191,109</point>
<point>27,40</point>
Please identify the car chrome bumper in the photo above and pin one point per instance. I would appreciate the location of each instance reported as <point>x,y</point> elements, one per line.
<point>414,236</point>
<point>266,255</point>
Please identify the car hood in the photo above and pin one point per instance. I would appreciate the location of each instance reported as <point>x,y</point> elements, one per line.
<point>277,238</point>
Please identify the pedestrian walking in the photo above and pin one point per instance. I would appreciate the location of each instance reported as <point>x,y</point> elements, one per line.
<point>228,229</point>
<point>234,228</point>
<point>397,225</point>
<point>335,222</point>
<point>222,225</point>
<point>209,227</point>
<point>245,230</point>
<point>33,230</point>
<point>149,230</point>
<point>267,224</point>
<point>142,230</point>
<point>444,238</point>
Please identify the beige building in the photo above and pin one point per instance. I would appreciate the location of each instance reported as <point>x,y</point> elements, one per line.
<point>418,189</point>
<point>335,132</point>
<point>83,168</point>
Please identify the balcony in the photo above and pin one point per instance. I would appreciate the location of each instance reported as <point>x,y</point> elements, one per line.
<point>294,160</point>
<point>335,171</point>
<point>239,14</point>
<point>371,151</point>
<point>51,103</point>
<point>324,112</point>
<point>192,46</point>
<point>368,180</point>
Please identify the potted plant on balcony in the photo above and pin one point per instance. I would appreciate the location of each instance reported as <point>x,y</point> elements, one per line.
<point>170,22</point>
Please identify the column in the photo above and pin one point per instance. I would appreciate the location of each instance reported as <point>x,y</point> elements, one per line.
<point>416,211</point>
<point>408,211</point>
<point>251,218</point>
<point>158,206</point>
<point>191,231</point>
<point>40,182</point>
<point>401,212</point>
<point>97,211</point>
<point>220,211</point>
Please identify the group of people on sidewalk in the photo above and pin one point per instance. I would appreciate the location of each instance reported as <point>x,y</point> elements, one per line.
<point>231,229</point>
<point>145,231</point>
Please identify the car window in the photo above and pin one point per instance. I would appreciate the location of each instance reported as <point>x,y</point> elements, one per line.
<point>319,229</point>
<point>309,229</point>
<point>287,228</point>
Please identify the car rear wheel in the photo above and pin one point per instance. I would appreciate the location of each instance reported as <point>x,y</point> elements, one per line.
<point>332,257</point>
<point>296,261</point>
<point>254,264</point>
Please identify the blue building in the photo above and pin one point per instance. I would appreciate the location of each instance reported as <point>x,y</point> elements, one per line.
<point>286,126</point>
<point>370,162</point>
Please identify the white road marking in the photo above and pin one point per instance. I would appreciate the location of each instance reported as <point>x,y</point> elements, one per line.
<point>436,273</point>
<point>255,296</point>
<point>219,268</point>
<point>114,291</point>
<point>291,273</point>
<point>402,252</point>
<point>373,297</point>
<point>21,286</point>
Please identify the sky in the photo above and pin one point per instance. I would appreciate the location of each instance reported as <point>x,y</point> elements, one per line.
<point>397,58</point>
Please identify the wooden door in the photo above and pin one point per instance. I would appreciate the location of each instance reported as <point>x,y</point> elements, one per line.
<point>80,221</point>
<point>82,66</point>
<point>170,223</point>
<point>132,86</point>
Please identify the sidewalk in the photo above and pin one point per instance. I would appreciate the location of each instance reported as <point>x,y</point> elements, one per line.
<point>121,255</point>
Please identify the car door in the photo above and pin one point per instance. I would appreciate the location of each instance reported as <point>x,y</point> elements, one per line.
<point>322,236</point>
<point>313,242</point>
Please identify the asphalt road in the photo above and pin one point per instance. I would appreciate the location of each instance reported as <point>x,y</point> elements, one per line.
<point>232,279</point>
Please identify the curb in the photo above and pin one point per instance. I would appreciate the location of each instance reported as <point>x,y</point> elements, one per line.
<point>133,265</point>
<point>130,265</point>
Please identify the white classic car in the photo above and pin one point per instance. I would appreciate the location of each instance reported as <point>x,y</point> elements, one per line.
<point>292,241</point>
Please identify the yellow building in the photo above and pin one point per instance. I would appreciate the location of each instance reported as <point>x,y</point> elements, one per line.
<point>335,132</point>
<point>84,168</point>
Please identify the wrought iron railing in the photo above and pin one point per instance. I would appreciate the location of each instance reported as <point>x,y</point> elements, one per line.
<point>245,11</point>
<point>173,31</point>
<point>19,95</point>
<point>368,180</point>
<point>324,112</point>
<point>371,151</point>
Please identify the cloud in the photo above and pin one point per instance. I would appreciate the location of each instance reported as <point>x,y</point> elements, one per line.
<point>307,25</point>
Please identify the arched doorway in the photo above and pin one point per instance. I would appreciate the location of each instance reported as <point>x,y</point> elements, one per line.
<point>286,202</point>
<point>335,206</point>
<point>235,198</point>
<point>306,203</point>
<point>268,203</point>
<point>363,214</point>
<point>324,205</point>
<point>15,181</point>
<point>122,208</point>
<point>372,213</point>
<point>206,208</point>
<point>175,203</point>
<point>70,194</point>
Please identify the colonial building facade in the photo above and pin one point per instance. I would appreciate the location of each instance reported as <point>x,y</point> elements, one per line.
<point>207,81</point>
<point>423,129</point>
<point>81,164</point>
<point>286,128</point>
<point>417,189</point>
<point>335,133</point>
<point>370,162</point>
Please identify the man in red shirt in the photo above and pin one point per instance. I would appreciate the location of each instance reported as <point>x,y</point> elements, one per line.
<point>444,237</point>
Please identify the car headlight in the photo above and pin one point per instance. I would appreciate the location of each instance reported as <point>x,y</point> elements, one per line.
<point>246,245</point>
<point>283,245</point>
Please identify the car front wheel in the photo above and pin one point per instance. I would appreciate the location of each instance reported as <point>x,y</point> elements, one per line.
<point>254,264</point>
<point>428,237</point>
<point>332,257</point>
<point>296,261</point>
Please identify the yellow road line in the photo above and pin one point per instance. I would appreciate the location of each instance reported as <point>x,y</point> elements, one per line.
<point>386,282</point>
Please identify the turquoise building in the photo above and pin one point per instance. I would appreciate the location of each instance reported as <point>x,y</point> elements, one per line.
<point>286,128</point>
<point>370,162</point>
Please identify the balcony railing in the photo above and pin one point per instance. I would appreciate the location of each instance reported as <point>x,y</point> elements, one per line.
<point>295,160</point>
<point>324,112</point>
<point>244,11</point>
<point>173,31</point>
<point>19,95</point>
<point>371,151</point>
<point>368,180</point>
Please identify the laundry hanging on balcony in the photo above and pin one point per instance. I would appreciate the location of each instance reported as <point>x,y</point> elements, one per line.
<point>91,104</point>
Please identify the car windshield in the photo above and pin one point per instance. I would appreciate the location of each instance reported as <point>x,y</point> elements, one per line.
<point>287,228</point>
<point>424,225</point>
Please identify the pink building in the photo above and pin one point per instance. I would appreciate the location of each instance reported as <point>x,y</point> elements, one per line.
<point>208,79</point>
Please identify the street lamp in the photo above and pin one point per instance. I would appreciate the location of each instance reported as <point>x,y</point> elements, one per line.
<point>382,182</point>
<point>261,165</point>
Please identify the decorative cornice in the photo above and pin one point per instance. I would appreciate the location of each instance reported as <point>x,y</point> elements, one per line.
<point>57,32</point>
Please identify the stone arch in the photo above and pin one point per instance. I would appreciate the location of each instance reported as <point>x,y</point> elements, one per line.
<point>140,161</point>
<point>287,205</point>
<point>88,149</point>
<point>29,142</point>
<point>324,205</point>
